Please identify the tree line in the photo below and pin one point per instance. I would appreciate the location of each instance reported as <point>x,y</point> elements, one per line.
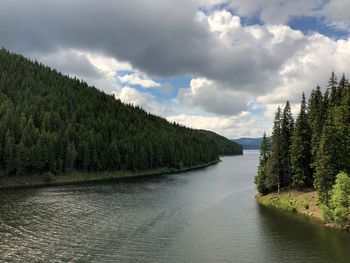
<point>52,123</point>
<point>311,150</point>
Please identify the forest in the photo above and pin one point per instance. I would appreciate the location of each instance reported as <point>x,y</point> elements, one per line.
<point>51,123</point>
<point>313,150</point>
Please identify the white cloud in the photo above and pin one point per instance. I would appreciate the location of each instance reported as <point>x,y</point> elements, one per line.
<point>143,99</point>
<point>242,124</point>
<point>213,97</point>
<point>138,79</point>
<point>310,66</point>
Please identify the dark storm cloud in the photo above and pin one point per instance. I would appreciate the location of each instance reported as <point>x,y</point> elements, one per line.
<point>72,63</point>
<point>159,37</point>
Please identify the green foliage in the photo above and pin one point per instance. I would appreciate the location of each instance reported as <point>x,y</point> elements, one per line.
<point>319,147</point>
<point>284,201</point>
<point>334,150</point>
<point>316,117</point>
<point>301,150</point>
<point>273,165</point>
<point>260,178</point>
<point>225,146</point>
<point>52,123</point>
<point>327,213</point>
<point>48,177</point>
<point>340,200</point>
<point>287,125</point>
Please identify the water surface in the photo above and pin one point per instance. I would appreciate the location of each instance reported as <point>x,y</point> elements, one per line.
<point>207,215</point>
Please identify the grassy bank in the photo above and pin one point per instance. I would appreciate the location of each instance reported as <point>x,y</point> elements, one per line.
<point>296,201</point>
<point>303,202</point>
<point>80,177</point>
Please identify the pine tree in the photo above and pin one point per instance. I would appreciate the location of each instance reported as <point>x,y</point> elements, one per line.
<point>287,124</point>
<point>316,117</point>
<point>71,155</point>
<point>301,150</point>
<point>334,152</point>
<point>273,169</point>
<point>264,156</point>
<point>332,86</point>
<point>10,154</point>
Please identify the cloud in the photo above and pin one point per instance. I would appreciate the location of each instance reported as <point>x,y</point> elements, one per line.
<point>234,67</point>
<point>143,99</point>
<point>310,66</point>
<point>138,79</point>
<point>161,39</point>
<point>95,69</point>
<point>213,97</point>
<point>275,11</point>
<point>242,124</point>
<point>337,13</point>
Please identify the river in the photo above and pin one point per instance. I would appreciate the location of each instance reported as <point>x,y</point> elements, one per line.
<point>207,215</point>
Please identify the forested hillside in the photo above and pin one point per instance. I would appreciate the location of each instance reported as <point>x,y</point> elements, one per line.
<point>52,123</point>
<point>312,151</point>
<point>224,145</point>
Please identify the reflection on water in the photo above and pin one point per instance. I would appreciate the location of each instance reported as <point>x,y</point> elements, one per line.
<point>208,215</point>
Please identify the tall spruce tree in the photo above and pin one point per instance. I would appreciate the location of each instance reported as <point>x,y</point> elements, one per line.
<point>334,152</point>
<point>260,178</point>
<point>332,87</point>
<point>316,117</point>
<point>273,169</point>
<point>301,150</point>
<point>287,124</point>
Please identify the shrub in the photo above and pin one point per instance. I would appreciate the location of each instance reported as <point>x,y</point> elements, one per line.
<point>306,205</point>
<point>48,178</point>
<point>327,213</point>
<point>340,199</point>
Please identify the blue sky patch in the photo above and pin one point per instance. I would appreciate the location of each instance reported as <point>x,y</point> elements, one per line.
<point>308,24</point>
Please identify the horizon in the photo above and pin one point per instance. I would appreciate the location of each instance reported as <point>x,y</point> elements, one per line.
<point>222,66</point>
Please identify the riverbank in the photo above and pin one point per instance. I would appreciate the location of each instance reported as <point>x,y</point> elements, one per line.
<point>303,202</point>
<point>36,181</point>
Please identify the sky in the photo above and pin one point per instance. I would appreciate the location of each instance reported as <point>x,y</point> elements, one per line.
<point>219,65</point>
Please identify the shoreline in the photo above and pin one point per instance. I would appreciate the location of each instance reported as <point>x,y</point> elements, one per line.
<point>301,202</point>
<point>76,178</point>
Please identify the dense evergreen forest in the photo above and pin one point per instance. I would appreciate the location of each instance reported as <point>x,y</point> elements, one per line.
<point>52,123</point>
<point>225,148</point>
<point>312,151</point>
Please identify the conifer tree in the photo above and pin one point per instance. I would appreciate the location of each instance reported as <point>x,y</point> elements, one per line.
<point>332,87</point>
<point>301,150</point>
<point>10,154</point>
<point>264,156</point>
<point>316,117</point>
<point>334,152</point>
<point>273,169</point>
<point>287,124</point>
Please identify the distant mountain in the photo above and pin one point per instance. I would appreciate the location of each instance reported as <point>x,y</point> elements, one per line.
<point>249,143</point>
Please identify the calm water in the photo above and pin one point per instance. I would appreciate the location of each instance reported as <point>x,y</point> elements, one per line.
<point>203,216</point>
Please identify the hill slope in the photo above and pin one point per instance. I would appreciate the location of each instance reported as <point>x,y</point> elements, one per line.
<point>52,123</point>
<point>225,146</point>
<point>249,143</point>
